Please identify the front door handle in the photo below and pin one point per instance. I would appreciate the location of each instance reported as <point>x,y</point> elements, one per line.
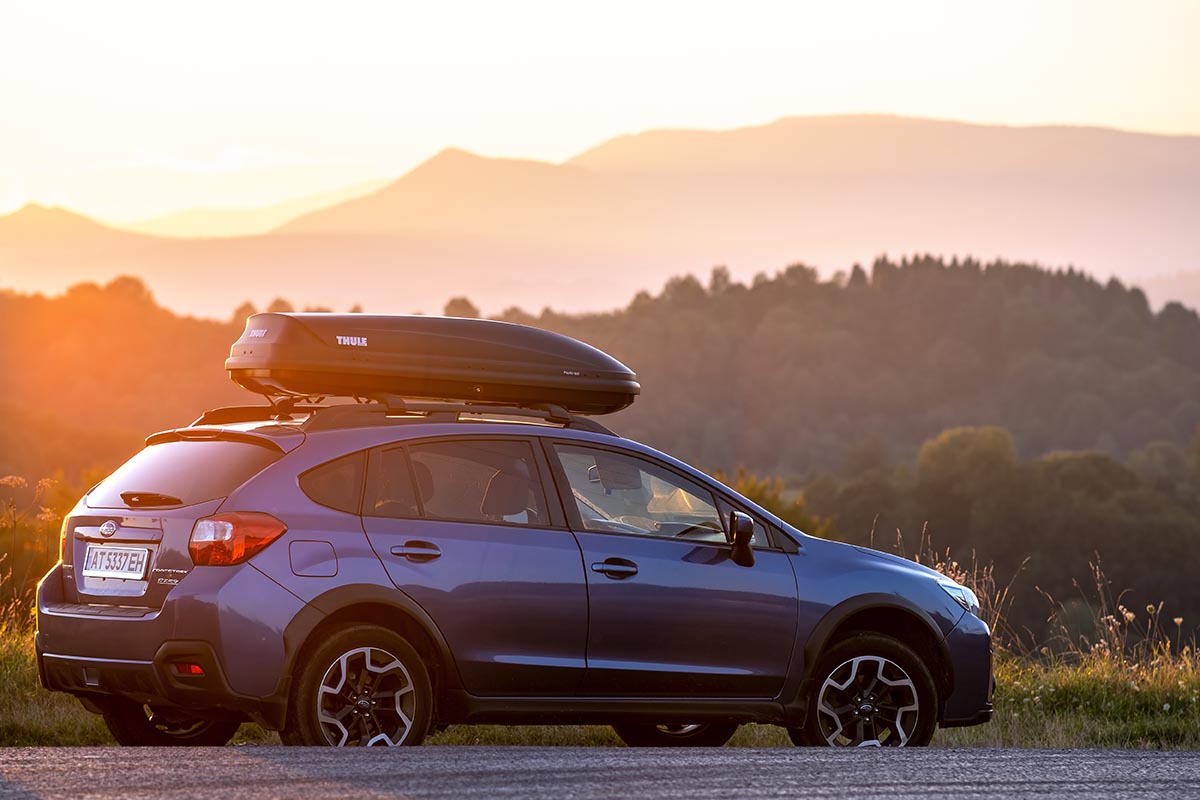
<point>417,551</point>
<point>616,568</point>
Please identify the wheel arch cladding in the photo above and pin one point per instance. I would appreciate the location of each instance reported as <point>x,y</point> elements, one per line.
<point>442,672</point>
<point>899,623</point>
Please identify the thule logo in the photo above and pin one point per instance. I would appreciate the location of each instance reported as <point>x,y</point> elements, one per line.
<point>352,341</point>
<point>257,333</point>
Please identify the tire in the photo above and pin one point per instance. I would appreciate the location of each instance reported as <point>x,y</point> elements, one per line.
<point>364,685</point>
<point>135,725</point>
<point>869,691</point>
<point>713,734</point>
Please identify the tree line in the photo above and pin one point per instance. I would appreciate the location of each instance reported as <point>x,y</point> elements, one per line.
<point>1002,408</point>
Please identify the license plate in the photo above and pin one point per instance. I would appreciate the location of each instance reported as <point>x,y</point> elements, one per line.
<point>115,562</point>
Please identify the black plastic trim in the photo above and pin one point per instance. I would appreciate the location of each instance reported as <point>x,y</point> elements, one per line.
<point>797,685</point>
<point>462,707</point>
<point>978,718</point>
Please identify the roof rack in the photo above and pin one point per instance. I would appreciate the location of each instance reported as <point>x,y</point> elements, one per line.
<point>391,407</point>
<point>280,410</point>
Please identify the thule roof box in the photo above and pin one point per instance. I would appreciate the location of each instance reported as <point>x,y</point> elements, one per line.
<point>441,358</point>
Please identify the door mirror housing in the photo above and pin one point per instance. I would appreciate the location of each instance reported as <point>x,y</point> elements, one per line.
<point>741,528</point>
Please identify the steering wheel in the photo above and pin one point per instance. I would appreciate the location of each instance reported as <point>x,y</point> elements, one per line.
<point>643,524</point>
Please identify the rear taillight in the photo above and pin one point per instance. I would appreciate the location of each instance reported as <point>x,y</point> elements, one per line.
<point>232,538</point>
<point>62,539</point>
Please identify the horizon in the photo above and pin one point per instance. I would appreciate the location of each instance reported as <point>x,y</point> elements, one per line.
<point>376,182</point>
<point>339,193</point>
<point>627,213</point>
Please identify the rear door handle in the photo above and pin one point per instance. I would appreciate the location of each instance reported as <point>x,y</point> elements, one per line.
<point>615,568</point>
<point>417,551</point>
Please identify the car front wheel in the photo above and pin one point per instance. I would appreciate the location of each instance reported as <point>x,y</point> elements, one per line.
<point>136,725</point>
<point>869,691</point>
<point>700,735</point>
<point>363,686</point>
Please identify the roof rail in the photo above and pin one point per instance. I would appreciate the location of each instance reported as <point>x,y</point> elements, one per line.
<point>280,411</point>
<point>389,407</point>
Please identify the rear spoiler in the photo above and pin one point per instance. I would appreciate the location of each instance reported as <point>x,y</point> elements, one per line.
<point>281,438</point>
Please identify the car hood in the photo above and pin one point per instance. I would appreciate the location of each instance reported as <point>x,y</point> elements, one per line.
<point>908,564</point>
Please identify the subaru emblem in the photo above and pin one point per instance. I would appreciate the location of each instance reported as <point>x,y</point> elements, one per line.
<point>108,528</point>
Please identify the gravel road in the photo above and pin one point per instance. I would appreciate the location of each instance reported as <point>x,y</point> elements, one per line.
<point>571,772</point>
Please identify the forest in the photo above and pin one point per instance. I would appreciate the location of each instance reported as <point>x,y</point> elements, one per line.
<point>1031,419</point>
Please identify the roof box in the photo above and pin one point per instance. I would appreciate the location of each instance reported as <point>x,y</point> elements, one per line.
<point>443,358</point>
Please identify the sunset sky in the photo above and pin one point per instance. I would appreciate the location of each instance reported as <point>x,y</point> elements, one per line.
<point>130,110</point>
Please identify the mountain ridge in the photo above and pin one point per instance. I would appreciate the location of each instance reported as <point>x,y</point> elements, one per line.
<point>591,231</point>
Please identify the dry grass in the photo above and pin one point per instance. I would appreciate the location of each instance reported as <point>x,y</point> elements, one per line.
<point>29,715</point>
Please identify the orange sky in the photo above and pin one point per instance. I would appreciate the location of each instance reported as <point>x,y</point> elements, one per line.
<point>127,111</point>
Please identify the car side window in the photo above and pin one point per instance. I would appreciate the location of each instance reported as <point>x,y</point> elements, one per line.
<point>337,484</point>
<point>391,490</point>
<point>620,493</point>
<point>465,481</point>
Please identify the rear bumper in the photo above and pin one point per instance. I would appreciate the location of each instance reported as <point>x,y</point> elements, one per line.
<point>969,647</point>
<point>158,682</point>
<point>98,652</point>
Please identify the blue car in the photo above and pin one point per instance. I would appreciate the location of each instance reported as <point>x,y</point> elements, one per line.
<point>366,573</point>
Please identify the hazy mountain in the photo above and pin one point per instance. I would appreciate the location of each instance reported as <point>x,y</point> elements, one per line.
<point>457,192</point>
<point>622,217</point>
<point>41,230</point>
<point>244,221</point>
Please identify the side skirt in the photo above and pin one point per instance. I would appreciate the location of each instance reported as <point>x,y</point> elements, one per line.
<point>459,707</point>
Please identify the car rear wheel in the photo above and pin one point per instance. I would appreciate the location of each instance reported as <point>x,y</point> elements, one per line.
<point>363,686</point>
<point>869,691</point>
<point>136,725</point>
<point>699,735</point>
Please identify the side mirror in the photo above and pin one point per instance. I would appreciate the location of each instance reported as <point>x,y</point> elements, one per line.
<point>742,529</point>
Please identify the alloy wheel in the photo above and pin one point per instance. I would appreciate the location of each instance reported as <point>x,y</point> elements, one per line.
<point>366,697</point>
<point>868,701</point>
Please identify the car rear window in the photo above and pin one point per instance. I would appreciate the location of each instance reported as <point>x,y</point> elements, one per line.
<point>190,470</point>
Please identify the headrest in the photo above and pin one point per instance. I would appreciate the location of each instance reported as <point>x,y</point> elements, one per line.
<point>506,494</point>
<point>617,472</point>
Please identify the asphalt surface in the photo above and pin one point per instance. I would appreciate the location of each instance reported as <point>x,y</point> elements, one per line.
<point>593,772</point>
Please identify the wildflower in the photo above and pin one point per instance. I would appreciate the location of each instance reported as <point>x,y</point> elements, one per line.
<point>13,481</point>
<point>1149,608</point>
<point>1178,621</point>
<point>1166,706</point>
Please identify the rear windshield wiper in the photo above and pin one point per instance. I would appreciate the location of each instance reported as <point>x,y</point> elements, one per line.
<point>149,499</point>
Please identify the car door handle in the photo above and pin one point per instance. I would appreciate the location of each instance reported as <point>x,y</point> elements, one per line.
<point>417,551</point>
<point>615,568</point>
